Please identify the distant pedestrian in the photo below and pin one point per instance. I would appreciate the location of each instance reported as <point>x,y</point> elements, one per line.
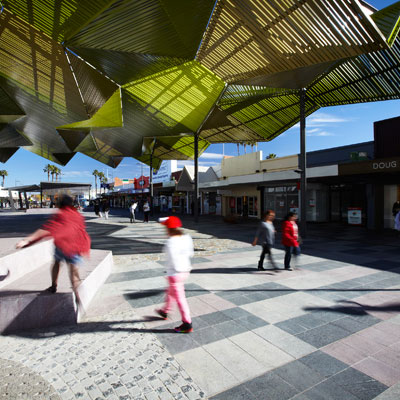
<point>97,208</point>
<point>396,208</point>
<point>105,208</point>
<point>265,235</point>
<point>179,251</point>
<point>132,210</point>
<point>397,222</point>
<point>71,241</point>
<point>146,211</point>
<point>290,238</point>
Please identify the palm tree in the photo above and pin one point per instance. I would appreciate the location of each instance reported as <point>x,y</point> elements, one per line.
<point>47,169</point>
<point>52,172</point>
<point>3,174</point>
<point>270,155</point>
<point>57,172</point>
<point>102,179</point>
<point>96,174</point>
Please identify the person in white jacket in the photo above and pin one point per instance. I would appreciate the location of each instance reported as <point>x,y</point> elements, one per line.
<point>179,251</point>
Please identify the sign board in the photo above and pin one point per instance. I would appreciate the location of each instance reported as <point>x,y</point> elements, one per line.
<point>165,171</point>
<point>354,216</point>
<point>370,166</point>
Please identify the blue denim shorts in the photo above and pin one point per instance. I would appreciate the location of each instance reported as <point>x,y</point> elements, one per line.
<point>60,256</point>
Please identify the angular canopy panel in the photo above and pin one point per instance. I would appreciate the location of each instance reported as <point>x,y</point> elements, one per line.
<point>108,116</point>
<point>275,36</point>
<point>9,110</point>
<point>9,137</point>
<point>171,28</point>
<point>185,94</point>
<point>95,88</point>
<point>35,74</point>
<point>388,21</point>
<point>7,153</point>
<point>58,19</point>
<point>98,150</point>
<point>371,77</point>
<point>124,67</point>
<point>172,147</point>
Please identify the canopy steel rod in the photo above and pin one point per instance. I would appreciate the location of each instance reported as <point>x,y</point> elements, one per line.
<point>303,165</point>
<point>196,178</point>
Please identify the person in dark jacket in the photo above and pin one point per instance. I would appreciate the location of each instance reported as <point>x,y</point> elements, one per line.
<point>265,235</point>
<point>290,238</point>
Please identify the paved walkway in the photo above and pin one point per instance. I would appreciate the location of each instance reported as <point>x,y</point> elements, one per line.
<point>327,330</point>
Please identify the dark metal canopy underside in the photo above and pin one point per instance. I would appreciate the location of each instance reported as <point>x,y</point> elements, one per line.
<point>121,78</point>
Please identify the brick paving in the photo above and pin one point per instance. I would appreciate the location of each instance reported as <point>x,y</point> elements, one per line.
<point>327,330</point>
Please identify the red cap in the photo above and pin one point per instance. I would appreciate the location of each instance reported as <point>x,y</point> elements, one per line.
<point>171,222</point>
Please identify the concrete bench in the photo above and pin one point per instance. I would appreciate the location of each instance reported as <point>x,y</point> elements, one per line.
<point>24,303</point>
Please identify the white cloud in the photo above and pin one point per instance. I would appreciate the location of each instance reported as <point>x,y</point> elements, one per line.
<point>320,120</point>
<point>182,163</point>
<point>213,156</point>
<point>76,174</point>
<point>317,132</point>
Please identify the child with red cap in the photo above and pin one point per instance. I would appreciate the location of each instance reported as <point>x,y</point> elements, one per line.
<point>179,250</point>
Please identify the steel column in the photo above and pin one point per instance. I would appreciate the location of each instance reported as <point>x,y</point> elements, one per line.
<point>303,165</point>
<point>196,178</point>
<point>151,183</point>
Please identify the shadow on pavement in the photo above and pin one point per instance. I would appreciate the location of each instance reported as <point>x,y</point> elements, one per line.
<point>354,308</point>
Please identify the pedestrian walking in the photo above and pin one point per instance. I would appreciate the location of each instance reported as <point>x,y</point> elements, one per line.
<point>265,235</point>
<point>179,251</point>
<point>97,208</point>
<point>290,238</point>
<point>146,211</point>
<point>105,208</point>
<point>132,209</point>
<point>397,221</point>
<point>67,227</point>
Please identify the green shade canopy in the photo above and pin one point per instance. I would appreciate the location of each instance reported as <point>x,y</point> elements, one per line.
<point>123,78</point>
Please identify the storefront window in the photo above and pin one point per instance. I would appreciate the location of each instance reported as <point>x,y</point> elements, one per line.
<point>253,211</point>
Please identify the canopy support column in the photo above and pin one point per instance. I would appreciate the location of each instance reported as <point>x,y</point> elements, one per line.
<point>196,178</point>
<point>151,183</point>
<point>12,205</point>
<point>303,165</point>
<point>26,201</point>
<point>21,203</point>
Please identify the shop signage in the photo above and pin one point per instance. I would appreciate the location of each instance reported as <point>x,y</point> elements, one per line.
<point>164,173</point>
<point>370,166</point>
<point>354,216</point>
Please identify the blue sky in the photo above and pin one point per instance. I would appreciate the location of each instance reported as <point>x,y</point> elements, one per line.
<point>328,127</point>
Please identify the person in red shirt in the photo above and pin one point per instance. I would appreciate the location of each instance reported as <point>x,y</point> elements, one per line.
<point>71,241</point>
<point>290,237</point>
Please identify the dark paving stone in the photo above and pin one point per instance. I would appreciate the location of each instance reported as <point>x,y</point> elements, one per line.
<point>323,363</point>
<point>270,386</point>
<point>236,312</point>
<point>360,385</point>
<point>351,324</point>
<point>199,260</point>
<point>236,393</point>
<point>299,375</point>
<point>368,278</point>
<point>329,391</point>
<point>207,335</point>
<point>231,328</point>
<point>177,343</point>
<point>191,290</point>
<point>323,335</point>
<point>309,321</point>
<point>133,275</point>
<point>328,314</point>
<point>365,319</point>
<point>238,299</point>
<point>291,327</point>
<point>251,322</point>
<point>213,318</point>
<point>145,298</point>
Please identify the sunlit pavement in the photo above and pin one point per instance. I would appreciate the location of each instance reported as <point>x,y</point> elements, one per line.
<point>327,330</point>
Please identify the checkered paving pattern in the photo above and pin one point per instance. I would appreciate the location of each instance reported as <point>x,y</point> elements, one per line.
<point>327,330</point>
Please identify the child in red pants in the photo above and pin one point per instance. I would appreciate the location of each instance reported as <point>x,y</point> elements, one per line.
<point>179,250</point>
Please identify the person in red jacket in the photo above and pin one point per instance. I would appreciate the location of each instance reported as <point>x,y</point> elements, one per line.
<point>290,237</point>
<point>71,241</point>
